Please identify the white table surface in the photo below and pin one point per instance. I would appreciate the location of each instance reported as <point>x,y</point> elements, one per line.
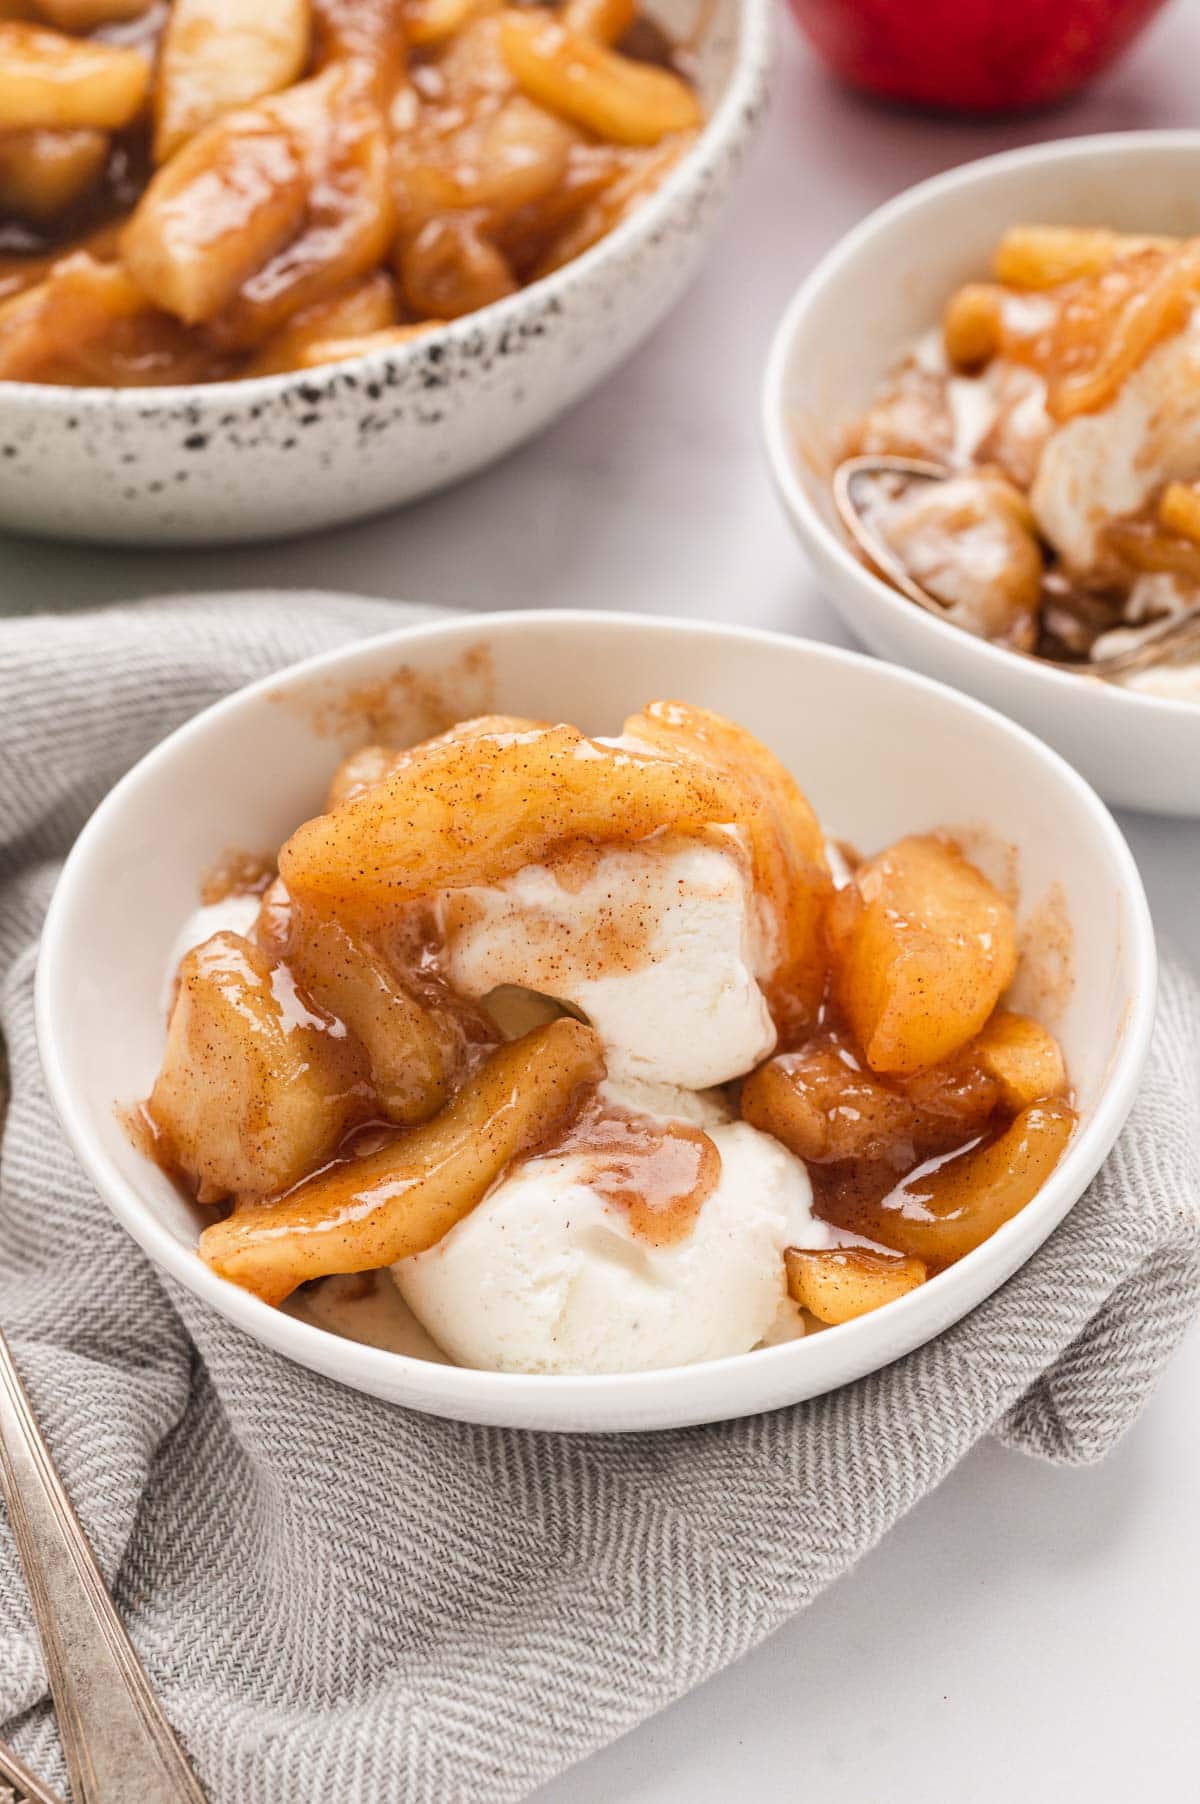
<point>1026,1632</point>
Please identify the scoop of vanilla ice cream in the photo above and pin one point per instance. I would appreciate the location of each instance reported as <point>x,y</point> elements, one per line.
<point>545,1276</point>
<point>659,946</point>
<point>1101,466</point>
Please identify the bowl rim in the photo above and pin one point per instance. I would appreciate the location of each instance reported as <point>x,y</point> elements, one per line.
<point>720,134</point>
<point>669,1395</point>
<point>786,345</point>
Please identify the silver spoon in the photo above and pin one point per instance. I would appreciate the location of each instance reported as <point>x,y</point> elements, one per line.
<point>1157,646</point>
<point>116,1740</point>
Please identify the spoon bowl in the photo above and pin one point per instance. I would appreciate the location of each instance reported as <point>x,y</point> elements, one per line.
<point>1159,645</point>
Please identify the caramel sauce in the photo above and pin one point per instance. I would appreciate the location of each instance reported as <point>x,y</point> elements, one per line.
<point>1045,976</point>
<point>236,873</point>
<point>660,1173</point>
<point>407,705</point>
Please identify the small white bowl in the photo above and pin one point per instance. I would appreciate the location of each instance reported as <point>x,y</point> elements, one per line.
<point>280,455</point>
<point>880,752</point>
<point>882,287</point>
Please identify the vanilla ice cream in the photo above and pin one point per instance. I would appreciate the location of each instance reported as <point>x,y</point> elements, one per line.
<point>546,1276</point>
<point>1102,466</point>
<point>660,947</point>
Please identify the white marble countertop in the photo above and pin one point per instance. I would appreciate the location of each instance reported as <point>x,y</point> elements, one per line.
<point>1025,1632</point>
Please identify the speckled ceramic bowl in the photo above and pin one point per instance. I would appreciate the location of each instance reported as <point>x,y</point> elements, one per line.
<point>280,455</point>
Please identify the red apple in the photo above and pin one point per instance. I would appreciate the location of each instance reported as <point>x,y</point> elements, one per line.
<point>972,56</point>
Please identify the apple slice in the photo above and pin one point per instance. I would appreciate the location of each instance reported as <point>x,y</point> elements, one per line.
<point>840,1283</point>
<point>951,1205</point>
<point>923,946</point>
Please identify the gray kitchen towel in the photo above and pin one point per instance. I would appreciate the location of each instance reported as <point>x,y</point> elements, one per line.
<point>341,1600</point>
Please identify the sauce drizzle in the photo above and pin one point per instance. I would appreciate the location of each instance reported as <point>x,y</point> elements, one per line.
<point>660,1173</point>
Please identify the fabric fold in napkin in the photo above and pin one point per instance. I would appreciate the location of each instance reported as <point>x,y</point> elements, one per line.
<point>340,1599</point>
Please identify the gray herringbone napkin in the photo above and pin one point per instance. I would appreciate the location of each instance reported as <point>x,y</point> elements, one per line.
<point>340,1600</point>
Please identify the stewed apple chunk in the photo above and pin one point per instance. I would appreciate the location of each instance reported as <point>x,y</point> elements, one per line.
<point>86,15</point>
<point>827,1108</point>
<point>462,811</point>
<point>349,216</point>
<point>370,764</point>
<point>361,770</point>
<point>48,79</point>
<point>42,173</point>
<point>359,310</point>
<point>822,1105</point>
<point>47,331</point>
<point>220,209</point>
<point>612,95</point>
<point>402,1198</point>
<point>922,948</point>
<point>952,1204</point>
<point>840,1283</point>
<point>1023,1057</point>
<point>413,1051</point>
<point>257,1084</point>
<point>220,54</point>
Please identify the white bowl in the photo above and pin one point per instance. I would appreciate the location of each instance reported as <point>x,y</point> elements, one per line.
<point>882,287</point>
<point>880,752</point>
<point>280,455</point>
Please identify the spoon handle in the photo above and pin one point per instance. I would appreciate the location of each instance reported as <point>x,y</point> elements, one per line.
<point>119,1747</point>
<point>18,1785</point>
<point>1161,647</point>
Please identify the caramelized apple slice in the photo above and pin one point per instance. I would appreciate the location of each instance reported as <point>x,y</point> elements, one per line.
<point>370,764</point>
<point>45,330</point>
<point>367,32</point>
<point>222,207</point>
<point>85,15</point>
<point>451,267</point>
<point>361,308</point>
<point>220,54</point>
<point>320,351</point>
<point>257,1084</point>
<point>787,847</point>
<point>604,21</point>
<point>951,1205</point>
<point>47,79</point>
<point>42,173</point>
<point>823,1107</point>
<point>458,812</point>
<point>433,21</point>
<point>844,1282</point>
<point>413,1052</point>
<point>595,199</point>
<point>1023,1057</point>
<point>922,947</point>
<point>1040,256</point>
<point>623,101</point>
<point>349,216</point>
<point>368,1212</point>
